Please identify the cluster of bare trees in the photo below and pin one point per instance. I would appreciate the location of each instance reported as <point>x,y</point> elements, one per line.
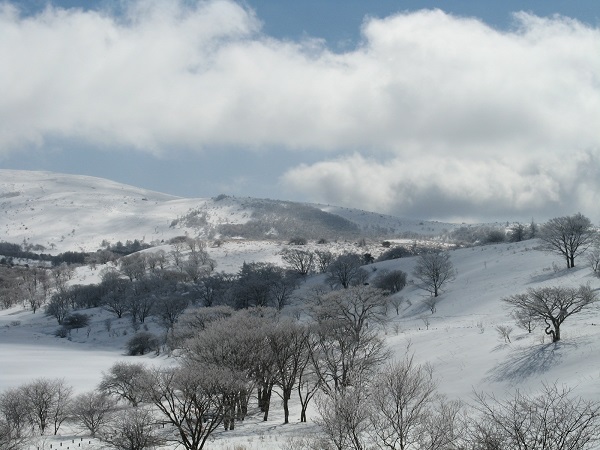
<point>32,285</point>
<point>37,407</point>
<point>402,409</point>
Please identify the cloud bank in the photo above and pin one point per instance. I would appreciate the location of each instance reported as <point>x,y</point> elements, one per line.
<point>431,115</point>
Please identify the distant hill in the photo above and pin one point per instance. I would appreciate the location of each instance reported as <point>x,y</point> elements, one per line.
<point>70,212</point>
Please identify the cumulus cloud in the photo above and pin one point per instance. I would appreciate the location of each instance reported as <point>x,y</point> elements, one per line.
<point>428,106</point>
<point>447,188</point>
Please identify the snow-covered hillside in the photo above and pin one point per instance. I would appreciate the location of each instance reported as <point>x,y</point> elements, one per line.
<point>459,339</point>
<point>68,212</point>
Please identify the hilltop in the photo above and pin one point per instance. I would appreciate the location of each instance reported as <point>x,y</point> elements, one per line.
<point>77,213</point>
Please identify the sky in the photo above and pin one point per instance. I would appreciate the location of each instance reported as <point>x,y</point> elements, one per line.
<point>446,110</point>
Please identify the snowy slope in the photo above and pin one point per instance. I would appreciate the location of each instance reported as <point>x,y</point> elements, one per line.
<point>461,342</point>
<point>68,212</point>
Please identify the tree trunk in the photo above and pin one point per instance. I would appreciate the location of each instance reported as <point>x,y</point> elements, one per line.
<point>286,410</point>
<point>303,413</point>
<point>267,402</point>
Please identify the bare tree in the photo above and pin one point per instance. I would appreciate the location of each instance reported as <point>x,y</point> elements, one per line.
<point>353,308</point>
<point>288,341</point>
<point>518,232</point>
<point>59,305</point>
<point>309,382</point>
<point>132,429</point>
<point>212,289</point>
<point>553,419</point>
<point>93,410</point>
<point>407,412</point>
<point>431,304</point>
<point>48,402</point>
<point>262,284</point>
<point>426,321</point>
<point>397,302</point>
<point>525,319</point>
<point>391,281</point>
<point>346,271</point>
<point>434,270</point>
<point>593,258</point>
<point>323,258</point>
<point>553,305</point>
<point>34,282</point>
<point>193,399</point>
<point>533,230</point>
<point>568,236</point>
<point>345,350</point>
<point>301,261</point>
<point>168,309</point>
<point>239,343</point>
<point>504,332</point>
<point>197,265</point>
<point>125,380</point>
<point>114,288</point>
<point>61,276</point>
<point>9,439</point>
<point>14,419</point>
<point>341,358</point>
<point>133,266</point>
<point>344,419</point>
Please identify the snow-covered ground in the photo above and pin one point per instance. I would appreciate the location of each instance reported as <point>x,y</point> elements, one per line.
<point>461,341</point>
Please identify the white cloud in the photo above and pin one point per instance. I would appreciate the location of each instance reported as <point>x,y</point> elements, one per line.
<point>482,112</point>
<point>449,188</point>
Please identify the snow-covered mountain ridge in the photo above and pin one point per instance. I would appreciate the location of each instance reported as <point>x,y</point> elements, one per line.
<point>71,212</point>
